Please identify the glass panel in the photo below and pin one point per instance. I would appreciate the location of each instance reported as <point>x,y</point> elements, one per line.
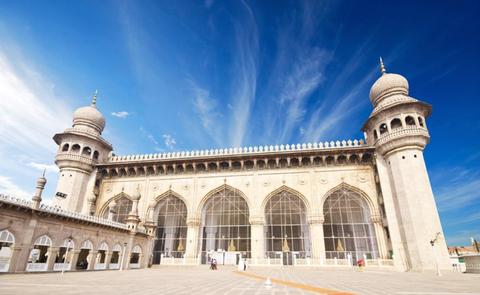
<point>121,209</point>
<point>286,227</point>
<point>347,227</point>
<point>171,231</point>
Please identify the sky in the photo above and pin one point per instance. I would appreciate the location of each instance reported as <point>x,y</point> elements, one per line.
<point>188,75</point>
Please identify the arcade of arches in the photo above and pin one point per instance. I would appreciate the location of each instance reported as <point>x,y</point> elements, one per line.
<point>286,233</point>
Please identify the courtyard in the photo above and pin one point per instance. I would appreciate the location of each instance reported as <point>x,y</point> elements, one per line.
<point>227,280</point>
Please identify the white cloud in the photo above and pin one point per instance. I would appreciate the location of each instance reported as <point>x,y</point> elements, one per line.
<point>121,114</point>
<point>47,167</point>
<point>8,187</point>
<point>149,136</point>
<point>170,142</point>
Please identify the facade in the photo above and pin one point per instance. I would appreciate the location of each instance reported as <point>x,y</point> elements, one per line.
<point>327,203</point>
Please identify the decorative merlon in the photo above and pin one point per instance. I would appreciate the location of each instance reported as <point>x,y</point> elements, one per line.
<point>242,151</point>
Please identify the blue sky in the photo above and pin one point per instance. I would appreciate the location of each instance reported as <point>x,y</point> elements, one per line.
<point>182,75</point>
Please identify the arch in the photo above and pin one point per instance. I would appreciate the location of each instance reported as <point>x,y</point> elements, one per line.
<point>43,241</point>
<point>383,128</point>
<point>165,194</point>
<point>103,246</point>
<point>117,248</point>
<point>137,249</point>
<point>409,121</point>
<point>395,123</point>
<point>95,155</point>
<point>68,243</point>
<point>289,190</point>
<point>104,208</point>
<point>286,226</point>
<point>87,245</point>
<point>7,237</point>
<point>170,217</point>
<point>65,147</point>
<point>348,227</point>
<point>375,135</point>
<point>75,148</point>
<point>225,225</point>
<point>352,188</point>
<point>420,121</point>
<point>214,191</point>
<point>86,151</point>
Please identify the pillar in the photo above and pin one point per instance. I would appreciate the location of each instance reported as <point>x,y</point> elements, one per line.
<point>316,235</point>
<point>52,256</point>
<point>73,262</point>
<point>108,257</point>
<point>92,260</point>
<point>193,229</point>
<point>379,233</point>
<point>16,251</point>
<point>257,238</point>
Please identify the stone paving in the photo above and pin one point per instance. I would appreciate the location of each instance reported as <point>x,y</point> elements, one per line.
<point>201,280</point>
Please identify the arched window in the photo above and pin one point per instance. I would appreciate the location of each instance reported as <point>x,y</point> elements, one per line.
<point>7,241</point>
<point>95,155</point>
<point>86,151</point>
<point>120,211</point>
<point>286,227</point>
<point>410,121</point>
<point>76,148</point>
<point>171,233</point>
<point>225,227</point>
<point>347,227</point>
<point>375,135</point>
<point>383,128</point>
<point>420,121</point>
<point>396,123</point>
<point>65,147</point>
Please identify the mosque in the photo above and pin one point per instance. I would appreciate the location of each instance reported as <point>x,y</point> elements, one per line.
<point>332,204</point>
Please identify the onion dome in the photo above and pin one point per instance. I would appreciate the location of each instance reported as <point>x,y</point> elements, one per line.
<point>136,196</point>
<point>89,116</point>
<point>387,85</point>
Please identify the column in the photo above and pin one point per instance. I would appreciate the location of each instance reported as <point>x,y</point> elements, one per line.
<point>108,257</point>
<point>193,229</point>
<point>73,263</point>
<point>257,238</point>
<point>52,256</point>
<point>379,233</point>
<point>316,235</point>
<point>92,260</point>
<point>16,251</point>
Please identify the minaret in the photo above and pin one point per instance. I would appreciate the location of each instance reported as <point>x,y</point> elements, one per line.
<point>398,131</point>
<point>37,198</point>
<point>81,148</point>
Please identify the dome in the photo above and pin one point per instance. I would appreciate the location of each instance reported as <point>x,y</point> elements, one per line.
<point>136,196</point>
<point>388,84</point>
<point>89,116</point>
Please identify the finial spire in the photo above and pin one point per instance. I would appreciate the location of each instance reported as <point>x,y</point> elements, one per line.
<point>382,67</point>
<point>44,169</point>
<point>94,99</point>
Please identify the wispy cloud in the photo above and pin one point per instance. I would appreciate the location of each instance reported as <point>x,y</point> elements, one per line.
<point>8,187</point>
<point>245,84</point>
<point>121,114</point>
<point>149,136</point>
<point>41,167</point>
<point>169,141</point>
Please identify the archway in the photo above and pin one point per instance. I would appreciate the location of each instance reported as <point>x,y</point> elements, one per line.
<point>115,260</point>
<point>84,257</point>
<point>171,230</point>
<point>64,257</point>
<point>225,227</point>
<point>37,260</point>
<point>135,257</point>
<point>287,233</point>
<point>348,229</point>
<point>7,241</point>
<point>100,260</point>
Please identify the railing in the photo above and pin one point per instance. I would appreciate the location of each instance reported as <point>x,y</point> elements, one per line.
<point>99,266</point>
<point>94,219</point>
<point>114,266</point>
<point>4,265</point>
<point>32,267</point>
<point>134,265</point>
<point>242,151</point>
<point>61,266</point>
<point>16,201</point>
<point>59,211</point>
